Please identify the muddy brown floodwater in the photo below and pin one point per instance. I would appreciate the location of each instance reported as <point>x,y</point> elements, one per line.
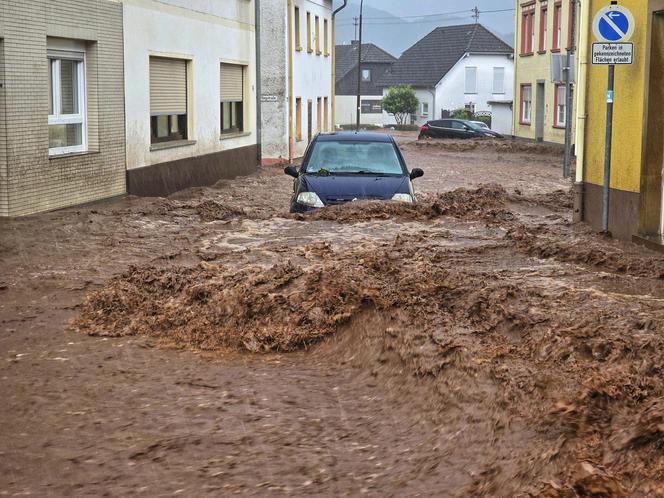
<point>211,344</point>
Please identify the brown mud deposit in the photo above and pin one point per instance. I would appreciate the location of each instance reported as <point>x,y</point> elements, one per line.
<point>500,146</point>
<point>475,344</point>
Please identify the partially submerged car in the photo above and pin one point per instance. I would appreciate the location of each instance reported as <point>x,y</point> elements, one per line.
<point>346,166</point>
<point>456,128</point>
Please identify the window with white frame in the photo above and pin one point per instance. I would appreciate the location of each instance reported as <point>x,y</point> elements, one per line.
<point>67,126</point>
<point>526,103</point>
<point>498,80</point>
<point>561,105</point>
<point>425,109</point>
<point>366,74</point>
<point>471,79</point>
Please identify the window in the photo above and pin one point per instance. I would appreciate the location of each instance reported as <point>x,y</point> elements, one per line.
<point>366,75</point>
<point>425,109</point>
<point>557,26</point>
<point>326,115</point>
<point>527,28</point>
<point>471,80</point>
<point>319,114</point>
<point>309,49</point>
<point>67,125</point>
<point>561,106</point>
<point>544,19</point>
<point>317,34</point>
<point>526,103</point>
<point>298,119</point>
<point>168,99</point>
<point>458,125</point>
<point>326,35</point>
<point>296,25</point>
<point>373,107</point>
<point>232,98</point>
<point>498,80</point>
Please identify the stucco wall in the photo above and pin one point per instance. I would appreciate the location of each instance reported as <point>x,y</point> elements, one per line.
<point>274,80</point>
<point>206,33</point>
<point>35,181</point>
<point>451,90</point>
<point>312,73</point>
<point>537,67</point>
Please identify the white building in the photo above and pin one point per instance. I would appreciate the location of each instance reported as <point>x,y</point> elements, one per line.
<point>296,46</point>
<point>190,92</point>
<point>455,67</point>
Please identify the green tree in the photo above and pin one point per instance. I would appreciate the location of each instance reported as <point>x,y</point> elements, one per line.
<point>401,102</point>
<point>462,113</point>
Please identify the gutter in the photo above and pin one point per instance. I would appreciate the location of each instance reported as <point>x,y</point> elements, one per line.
<point>581,110</point>
<point>259,122</point>
<point>291,138</point>
<point>334,63</point>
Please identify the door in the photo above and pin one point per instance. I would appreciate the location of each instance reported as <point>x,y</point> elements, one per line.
<point>540,102</point>
<point>310,120</point>
<point>437,129</point>
<point>460,131</point>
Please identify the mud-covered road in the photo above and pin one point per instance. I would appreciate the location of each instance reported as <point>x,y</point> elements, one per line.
<point>211,344</point>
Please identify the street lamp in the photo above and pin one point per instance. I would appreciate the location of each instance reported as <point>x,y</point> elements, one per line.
<point>359,71</point>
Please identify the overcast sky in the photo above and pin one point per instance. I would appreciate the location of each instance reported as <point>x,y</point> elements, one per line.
<point>396,35</point>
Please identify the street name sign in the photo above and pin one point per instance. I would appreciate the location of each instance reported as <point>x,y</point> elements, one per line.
<point>614,24</point>
<point>613,53</point>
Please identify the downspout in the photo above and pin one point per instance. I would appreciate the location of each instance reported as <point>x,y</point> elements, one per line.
<point>259,123</point>
<point>582,110</point>
<point>291,141</point>
<point>334,63</point>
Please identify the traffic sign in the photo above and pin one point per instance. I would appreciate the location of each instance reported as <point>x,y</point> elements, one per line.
<point>613,53</point>
<point>614,24</point>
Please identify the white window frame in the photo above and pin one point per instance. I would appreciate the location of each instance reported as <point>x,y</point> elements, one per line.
<point>368,72</point>
<point>499,90</point>
<point>57,118</point>
<point>470,70</point>
<point>526,105</point>
<point>561,105</point>
<point>425,109</point>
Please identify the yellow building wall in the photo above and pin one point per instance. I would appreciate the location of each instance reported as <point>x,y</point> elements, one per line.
<point>629,108</point>
<point>537,67</point>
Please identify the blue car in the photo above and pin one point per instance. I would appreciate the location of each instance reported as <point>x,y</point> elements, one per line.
<point>345,167</point>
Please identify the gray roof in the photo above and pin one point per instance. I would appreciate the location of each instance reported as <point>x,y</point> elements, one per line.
<point>346,57</point>
<point>425,63</point>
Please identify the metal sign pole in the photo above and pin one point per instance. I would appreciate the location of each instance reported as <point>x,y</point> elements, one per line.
<point>607,150</point>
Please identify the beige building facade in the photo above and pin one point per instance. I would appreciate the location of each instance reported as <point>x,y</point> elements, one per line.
<point>543,36</point>
<point>62,139</point>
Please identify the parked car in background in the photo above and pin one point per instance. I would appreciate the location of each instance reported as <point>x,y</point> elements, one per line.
<point>346,166</point>
<point>456,128</point>
<point>481,124</point>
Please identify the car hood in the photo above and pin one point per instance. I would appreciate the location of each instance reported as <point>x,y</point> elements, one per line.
<point>334,189</point>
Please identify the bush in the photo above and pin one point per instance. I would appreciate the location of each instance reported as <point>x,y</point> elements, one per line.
<point>404,127</point>
<point>463,113</point>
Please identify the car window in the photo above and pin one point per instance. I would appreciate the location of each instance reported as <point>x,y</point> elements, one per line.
<point>458,125</point>
<point>438,123</point>
<point>354,157</point>
<point>445,123</point>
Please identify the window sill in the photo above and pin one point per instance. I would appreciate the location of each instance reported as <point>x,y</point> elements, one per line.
<point>72,154</point>
<point>555,50</point>
<point>310,51</point>
<point>171,145</point>
<point>527,54</point>
<point>327,55</point>
<point>541,52</point>
<point>318,52</point>
<point>228,136</point>
<point>298,49</point>
<point>559,127</point>
<point>524,123</point>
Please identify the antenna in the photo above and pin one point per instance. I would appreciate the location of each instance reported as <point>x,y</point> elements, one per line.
<point>476,14</point>
<point>356,23</point>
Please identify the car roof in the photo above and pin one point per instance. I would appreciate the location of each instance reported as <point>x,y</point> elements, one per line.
<point>351,136</point>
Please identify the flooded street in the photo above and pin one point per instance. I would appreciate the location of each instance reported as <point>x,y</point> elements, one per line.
<point>211,344</point>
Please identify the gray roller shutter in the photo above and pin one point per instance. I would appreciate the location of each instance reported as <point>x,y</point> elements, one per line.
<point>231,83</point>
<point>168,86</point>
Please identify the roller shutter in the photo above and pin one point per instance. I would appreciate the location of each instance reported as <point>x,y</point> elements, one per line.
<point>168,86</point>
<point>231,83</point>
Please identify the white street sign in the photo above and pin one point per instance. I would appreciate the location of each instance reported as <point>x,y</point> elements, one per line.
<point>613,53</point>
<point>614,24</point>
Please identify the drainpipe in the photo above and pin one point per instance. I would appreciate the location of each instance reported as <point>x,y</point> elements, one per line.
<point>291,139</point>
<point>582,112</point>
<point>259,123</point>
<point>334,63</point>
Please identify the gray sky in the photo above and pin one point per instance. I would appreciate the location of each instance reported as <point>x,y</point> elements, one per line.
<point>392,24</point>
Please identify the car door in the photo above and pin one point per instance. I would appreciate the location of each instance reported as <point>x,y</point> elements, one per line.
<point>436,129</point>
<point>460,130</point>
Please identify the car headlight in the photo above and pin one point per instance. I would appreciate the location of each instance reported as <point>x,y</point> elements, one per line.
<point>310,199</point>
<point>403,198</point>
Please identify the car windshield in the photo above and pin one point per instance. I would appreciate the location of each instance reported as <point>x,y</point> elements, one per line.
<point>354,158</point>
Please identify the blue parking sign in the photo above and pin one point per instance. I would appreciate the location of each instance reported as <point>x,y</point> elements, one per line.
<point>613,24</point>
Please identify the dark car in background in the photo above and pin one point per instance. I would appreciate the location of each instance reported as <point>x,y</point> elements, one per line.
<point>456,128</point>
<point>345,167</point>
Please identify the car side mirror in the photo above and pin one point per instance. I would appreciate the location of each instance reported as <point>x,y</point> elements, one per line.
<point>291,171</point>
<point>416,173</point>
